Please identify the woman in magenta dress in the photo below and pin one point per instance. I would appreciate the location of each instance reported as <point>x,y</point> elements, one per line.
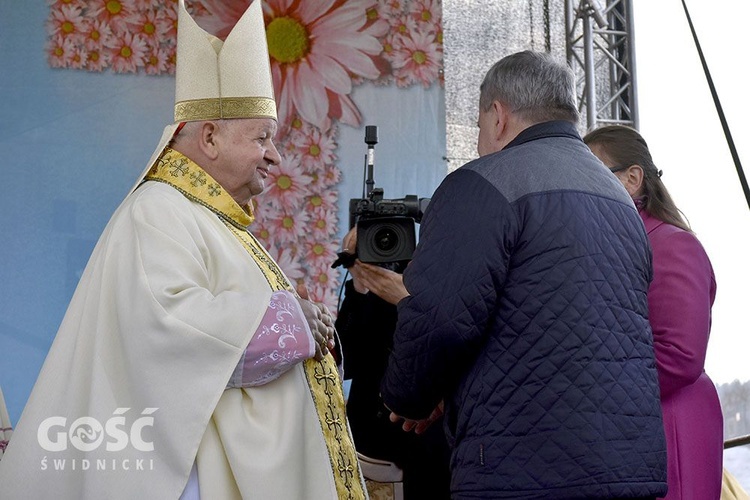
<point>679,299</point>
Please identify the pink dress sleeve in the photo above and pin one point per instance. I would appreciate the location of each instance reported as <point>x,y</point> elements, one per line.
<point>680,299</point>
<point>282,340</point>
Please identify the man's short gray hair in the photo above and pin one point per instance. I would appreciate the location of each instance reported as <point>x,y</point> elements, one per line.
<point>533,85</point>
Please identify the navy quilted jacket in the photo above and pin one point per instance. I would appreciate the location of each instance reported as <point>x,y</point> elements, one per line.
<point>528,317</point>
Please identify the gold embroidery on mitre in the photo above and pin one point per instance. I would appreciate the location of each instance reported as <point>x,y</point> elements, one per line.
<point>216,108</point>
<point>325,388</point>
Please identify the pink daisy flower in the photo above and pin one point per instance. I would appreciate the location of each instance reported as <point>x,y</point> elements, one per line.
<point>328,177</point>
<point>439,36</point>
<point>287,184</point>
<point>262,209</point>
<point>156,61</point>
<point>322,284</point>
<point>147,24</point>
<point>171,60</point>
<point>128,53</point>
<point>426,13</point>
<point>166,24</point>
<point>98,35</point>
<point>377,25</point>
<point>263,227</point>
<point>319,253</point>
<point>60,51</point>
<point>97,60</point>
<point>325,200</point>
<point>80,58</point>
<point>66,21</point>
<point>390,9</point>
<point>116,13</point>
<point>314,48</point>
<point>261,230</point>
<point>291,266</point>
<point>419,59</point>
<point>403,24</point>
<point>288,227</point>
<point>391,44</point>
<point>316,148</point>
<point>315,173</point>
<point>323,223</point>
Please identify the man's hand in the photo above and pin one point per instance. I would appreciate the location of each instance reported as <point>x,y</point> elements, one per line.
<point>384,283</point>
<point>320,320</point>
<point>418,426</point>
<point>349,245</point>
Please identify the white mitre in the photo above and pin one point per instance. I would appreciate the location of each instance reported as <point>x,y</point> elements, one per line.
<point>218,79</point>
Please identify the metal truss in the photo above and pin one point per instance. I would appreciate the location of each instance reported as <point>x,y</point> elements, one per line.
<point>601,51</point>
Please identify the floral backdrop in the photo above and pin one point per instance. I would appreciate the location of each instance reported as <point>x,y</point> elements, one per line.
<point>319,49</point>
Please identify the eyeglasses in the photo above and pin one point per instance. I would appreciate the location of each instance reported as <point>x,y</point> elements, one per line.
<point>619,169</point>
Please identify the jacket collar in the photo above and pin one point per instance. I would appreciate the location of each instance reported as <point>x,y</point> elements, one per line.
<point>557,128</point>
<point>649,221</point>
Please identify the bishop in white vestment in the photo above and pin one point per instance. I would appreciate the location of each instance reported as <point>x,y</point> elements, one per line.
<point>185,352</point>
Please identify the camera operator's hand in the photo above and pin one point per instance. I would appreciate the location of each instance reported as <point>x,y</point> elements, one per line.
<point>349,245</point>
<point>418,426</point>
<point>386,284</point>
<point>321,323</point>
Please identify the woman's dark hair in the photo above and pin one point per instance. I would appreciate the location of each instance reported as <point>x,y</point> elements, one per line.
<point>623,146</point>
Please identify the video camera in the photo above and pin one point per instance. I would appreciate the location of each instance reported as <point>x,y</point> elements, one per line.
<point>385,228</point>
<point>386,232</point>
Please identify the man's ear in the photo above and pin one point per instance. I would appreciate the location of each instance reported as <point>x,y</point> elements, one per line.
<point>208,139</point>
<point>633,180</point>
<point>500,117</point>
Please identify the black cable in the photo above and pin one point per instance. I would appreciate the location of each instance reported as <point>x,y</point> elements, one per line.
<point>341,290</point>
<point>719,109</point>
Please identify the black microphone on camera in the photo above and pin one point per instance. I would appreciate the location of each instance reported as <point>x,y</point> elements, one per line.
<point>371,138</point>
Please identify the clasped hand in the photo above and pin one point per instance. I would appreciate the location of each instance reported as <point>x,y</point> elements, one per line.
<point>321,323</point>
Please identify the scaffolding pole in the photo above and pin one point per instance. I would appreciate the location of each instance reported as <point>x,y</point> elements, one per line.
<point>601,51</point>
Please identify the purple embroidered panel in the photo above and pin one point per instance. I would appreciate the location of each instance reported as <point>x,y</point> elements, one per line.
<point>282,340</point>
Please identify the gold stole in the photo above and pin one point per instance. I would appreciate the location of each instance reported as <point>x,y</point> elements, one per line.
<point>323,379</point>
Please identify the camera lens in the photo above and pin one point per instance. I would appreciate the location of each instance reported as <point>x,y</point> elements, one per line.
<point>385,239</point>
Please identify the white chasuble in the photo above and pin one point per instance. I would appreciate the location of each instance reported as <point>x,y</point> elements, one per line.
<point>132,392</point>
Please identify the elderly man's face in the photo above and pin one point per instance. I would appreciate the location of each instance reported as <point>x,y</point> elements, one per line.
<point>246,155</point>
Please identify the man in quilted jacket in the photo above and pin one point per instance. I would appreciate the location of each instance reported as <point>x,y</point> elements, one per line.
<point>524,311</point>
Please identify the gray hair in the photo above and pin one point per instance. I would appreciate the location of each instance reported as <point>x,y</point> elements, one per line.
<point>533,85</point>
